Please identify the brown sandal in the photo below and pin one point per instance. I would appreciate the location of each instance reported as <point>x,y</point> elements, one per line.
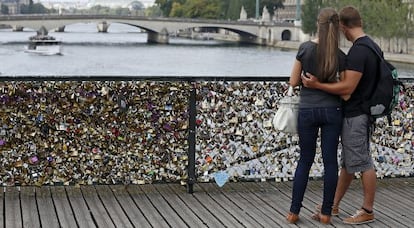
<point>324,219</point>
<point>292,218</point>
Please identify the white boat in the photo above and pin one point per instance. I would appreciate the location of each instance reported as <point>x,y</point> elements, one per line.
<point>44,47</point>
<point>44,44</point>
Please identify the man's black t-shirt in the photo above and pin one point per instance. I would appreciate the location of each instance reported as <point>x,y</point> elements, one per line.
<point>361,59</point>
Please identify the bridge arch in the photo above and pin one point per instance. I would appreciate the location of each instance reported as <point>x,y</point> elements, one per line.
<point>286,35</point>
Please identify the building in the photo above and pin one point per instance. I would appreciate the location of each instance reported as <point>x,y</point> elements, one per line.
<point>13,5</point>
<point>289,12</point>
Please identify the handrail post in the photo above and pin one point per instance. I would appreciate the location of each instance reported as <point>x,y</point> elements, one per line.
<point>191,139</point>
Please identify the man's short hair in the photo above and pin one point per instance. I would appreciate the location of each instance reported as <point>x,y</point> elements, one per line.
<point>350,17</point>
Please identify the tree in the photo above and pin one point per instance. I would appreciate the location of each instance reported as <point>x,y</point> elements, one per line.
<point>209,9</point>
<point>136,7</point>
<point>214,9</point>
<point>177,10</point>
<point>310,11</point>
<point>232,9</point>
<point>166,5</point>
<point>153,11</point>
<point>388,19</point>
<point>250,7</point>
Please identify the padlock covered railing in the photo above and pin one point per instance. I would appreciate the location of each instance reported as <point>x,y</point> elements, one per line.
<point>137,130</point>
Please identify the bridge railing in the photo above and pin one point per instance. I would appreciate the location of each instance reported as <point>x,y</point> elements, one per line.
<point>123,17</point>
<point>139,130</point>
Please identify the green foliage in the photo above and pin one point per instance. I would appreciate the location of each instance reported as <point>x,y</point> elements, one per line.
<point>232,9</point>
<point>250,7</point>
<point>191,8</point>
<point>119,11</point>
<point>177,10</point>
<point>381,18</point>
<point>98,9</point>
<point>310,11</point>
<point>153,11</point>
<point>215,9</point>
<point>202,9</point>
<point>166,5</point>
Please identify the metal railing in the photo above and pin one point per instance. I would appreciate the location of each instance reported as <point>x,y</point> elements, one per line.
<point>136,130</point>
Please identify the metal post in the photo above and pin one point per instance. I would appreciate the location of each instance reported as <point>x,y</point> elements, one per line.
<point>191,140</point>
<point>257,9</point>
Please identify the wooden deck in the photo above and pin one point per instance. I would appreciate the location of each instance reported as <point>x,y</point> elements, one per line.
<point>241,204</point>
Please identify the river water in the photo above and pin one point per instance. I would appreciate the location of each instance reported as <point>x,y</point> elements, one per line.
<point>123,51</point>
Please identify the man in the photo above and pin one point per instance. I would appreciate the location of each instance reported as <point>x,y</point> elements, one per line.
<point>360,74</point>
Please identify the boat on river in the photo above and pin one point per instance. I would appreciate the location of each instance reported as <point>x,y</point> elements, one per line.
<point>43,44</point>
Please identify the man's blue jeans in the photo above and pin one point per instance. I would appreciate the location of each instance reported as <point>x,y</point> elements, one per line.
<point>310,120</point>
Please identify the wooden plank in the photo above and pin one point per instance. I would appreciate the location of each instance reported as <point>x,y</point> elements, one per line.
<point>47,213</point>
<point>232,211</point>
<point>133,212</point>
<point>30,214</point>
<point>381,218</point>
<point>271,197</point>
<point>251,205</point>
<point>243,218</point>
<point>115,211</point>
<point>80,208</point>
<point>199,209</point>
<point>64,210</point>
<point>165,209</point>
<point>397,192</point>
<point>216,209</point>
<point>12,208</point>
<point>395,204</point>
<point>353,200</point>
<point>145,206</point>
<point>265,203</point>
<point>282,202</point>
<point>183,211</point>
<point>257,206</point>
<point>96,208</point>
<point>315,190</point>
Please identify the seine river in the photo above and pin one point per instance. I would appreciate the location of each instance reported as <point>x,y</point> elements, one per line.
<point>123,51</point>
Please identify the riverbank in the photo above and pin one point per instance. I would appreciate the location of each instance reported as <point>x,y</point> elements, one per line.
<point>395,57</point>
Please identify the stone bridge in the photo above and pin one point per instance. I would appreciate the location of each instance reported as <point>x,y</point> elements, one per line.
<point>159,29</point>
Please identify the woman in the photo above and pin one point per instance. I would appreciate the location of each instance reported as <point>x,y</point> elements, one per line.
<point>318,110</point>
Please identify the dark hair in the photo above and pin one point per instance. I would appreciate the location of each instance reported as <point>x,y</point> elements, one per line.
<point>350,17</point>
<point>328,44</point>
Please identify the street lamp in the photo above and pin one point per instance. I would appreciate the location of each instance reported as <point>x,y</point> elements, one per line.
<point>257,9</point>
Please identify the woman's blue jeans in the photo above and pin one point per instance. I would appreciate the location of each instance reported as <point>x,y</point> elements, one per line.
<point>310,120</point>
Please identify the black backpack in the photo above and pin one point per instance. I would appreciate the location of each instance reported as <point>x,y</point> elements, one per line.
<point>385,94</point>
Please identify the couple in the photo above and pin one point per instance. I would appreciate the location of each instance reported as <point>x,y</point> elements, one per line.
<point>331,101</point>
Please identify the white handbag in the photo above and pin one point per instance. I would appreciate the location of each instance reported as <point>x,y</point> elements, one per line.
<point>286,117</point>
